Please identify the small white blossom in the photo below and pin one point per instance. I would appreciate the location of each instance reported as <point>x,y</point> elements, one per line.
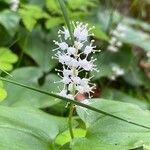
<point>78,45</point>
<point>117,71</point>
<point>115,43</point>
<point>71,50</point>
<point>63,93</point>
<point>148,54</point>
<point>63,45</point>
<point>14,5</point>
<point>64,32</point>
<point>112,48</point>
<point>75,59</point>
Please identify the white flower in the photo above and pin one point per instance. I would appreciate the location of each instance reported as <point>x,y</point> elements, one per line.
<point>67,72</point>
<point>63,45</point>
<point>75,59</point>
<point>78,45</point>
<point>64,32</point>
<point>117,72</point>
<point>71,50</point>
<point>76,79</point>
<point>84,81</point>
<point>14,5</point>
<point>81,32</point>
<point>121,27</point>
<point>148,54</point>
<point>115,43</point>
<point>87,65</point>
<point>112,48</point>
<point>118,44</point>
<point>113,40</point>
<point>67,59</point>
<point>62,58</point>
<point>63,93</point>
<point>73,63</point>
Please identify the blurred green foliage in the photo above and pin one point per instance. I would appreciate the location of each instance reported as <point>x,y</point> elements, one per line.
<point>26,45</point>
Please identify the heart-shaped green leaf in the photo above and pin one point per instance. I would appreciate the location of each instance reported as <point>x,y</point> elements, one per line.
<point>24,128</point>
<point>25,97</point>
<point>110,132</point>
<point>3,93</point>
<point>7,58</point>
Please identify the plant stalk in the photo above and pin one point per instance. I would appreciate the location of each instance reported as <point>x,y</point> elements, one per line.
<point>70,120</point>
<point>66,17</point>
<point>75,103</point>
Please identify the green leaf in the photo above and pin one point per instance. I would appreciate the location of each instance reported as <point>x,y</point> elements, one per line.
<point>113,94</point>
<point>7,58</point>
<point>64,137</point>
<point>87,144</point>
<point>80,4</point>
<point>98,33</point>
<point>25,128</point>
<point>39,48</point>
<point>135,76</point>
<point>3,93</point>
<point>136,37</point>
<point>30,14</point>
<point>108,131</point>
<point>137,23</point>
<point>75,102</point>
<point>53,21</point>
<point>10,21</point>
<point>52,6</point>
<point>25,97</point>
<point>106,59</point>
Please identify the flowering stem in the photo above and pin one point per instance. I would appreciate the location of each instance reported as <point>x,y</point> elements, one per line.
<point>64,11</point>
<point>74,102</point>
<point>70,120</point>
<point>71,110</point>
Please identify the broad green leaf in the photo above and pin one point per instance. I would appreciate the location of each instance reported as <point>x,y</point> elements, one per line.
<point>108,131</point>
<point>80,4</point>
<point>135,76</point>
<point>52,6</point>
<point>3,93</point>
<point>64,137</point>
<point>137,23</point>
<point>98,33</point>
<point>39,48</point>
<point>25,97</point>
<point>87,144</point>
<point>113,94</point>
<point>7,58</point>
<point>30,15</point>
<point>53,21</point>
<point>106,59</point>
<point>26,128</point>
<point>10,21</point>
<point>136,37</point>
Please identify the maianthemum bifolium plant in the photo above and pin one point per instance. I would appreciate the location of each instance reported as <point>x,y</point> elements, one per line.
<point>75,59</point>
<point>99,124</point>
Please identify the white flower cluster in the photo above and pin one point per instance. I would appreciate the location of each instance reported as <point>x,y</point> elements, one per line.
<point>75,58</point>
<point>148,54</point>
<point>117,71</point>
<point>14,5</point>
<point>115,43</point>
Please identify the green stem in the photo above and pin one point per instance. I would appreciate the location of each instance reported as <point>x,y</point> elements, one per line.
<point>65,14</point>
<point>70,120</point>
<point>71,112</point>
<point>75,103</point>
